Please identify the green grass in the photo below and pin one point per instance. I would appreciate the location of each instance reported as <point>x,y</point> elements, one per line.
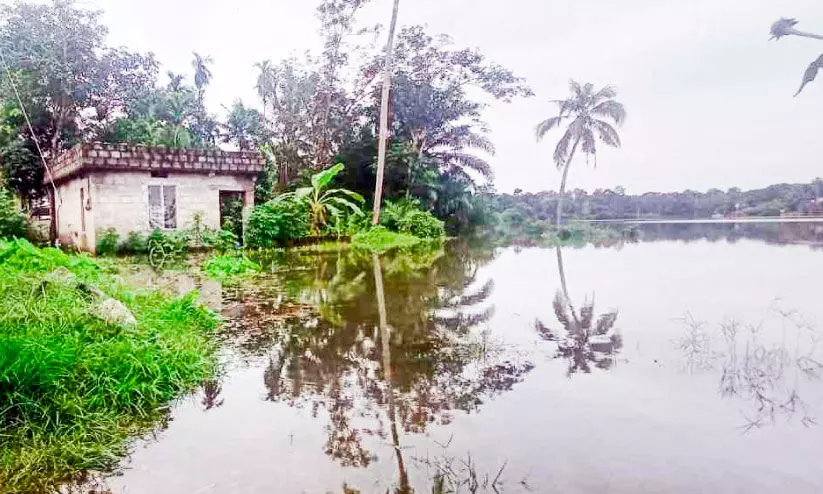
<point>380,240</point>
<point>230,267</point>
<point>75,390</point>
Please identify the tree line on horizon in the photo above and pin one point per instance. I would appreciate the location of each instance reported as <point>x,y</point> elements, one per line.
<point>532,214</point>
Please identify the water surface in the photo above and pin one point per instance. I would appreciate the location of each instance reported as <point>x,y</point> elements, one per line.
<point>687,361</point>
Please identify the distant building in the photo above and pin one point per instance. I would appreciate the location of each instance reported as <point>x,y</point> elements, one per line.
<point>138,189</point>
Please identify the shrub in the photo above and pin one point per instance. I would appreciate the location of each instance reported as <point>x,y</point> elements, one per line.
<point>135,243</point>
<point>107,242</point>
<point>276,221</point>
<point>12,220</point>
<point>221,241</point>
<point>394,211</point>
<point>421,224</point>
<point>347,224</point>
<point>406,216</point>
<point>167,248</point>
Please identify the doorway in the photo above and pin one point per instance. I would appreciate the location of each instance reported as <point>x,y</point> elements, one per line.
<point>231,211</point>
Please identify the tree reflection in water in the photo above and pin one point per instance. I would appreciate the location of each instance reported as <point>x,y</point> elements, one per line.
<point>385,346</point>
<point>582,341</point>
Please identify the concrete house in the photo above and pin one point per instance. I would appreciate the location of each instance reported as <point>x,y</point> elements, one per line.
<point>138,189</point>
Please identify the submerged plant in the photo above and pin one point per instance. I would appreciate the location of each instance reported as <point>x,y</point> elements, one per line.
<point>379,240</point>
<point>229,267</point>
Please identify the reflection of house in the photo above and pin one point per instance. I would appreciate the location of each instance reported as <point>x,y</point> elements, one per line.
<point>138,189</point>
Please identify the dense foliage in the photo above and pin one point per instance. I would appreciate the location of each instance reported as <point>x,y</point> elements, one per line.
<point>277,221</point>
<point>313,111</point>
<point>74,387</point>
<point>12,221</point>
<point>325,203</point>
<point>406,216</point>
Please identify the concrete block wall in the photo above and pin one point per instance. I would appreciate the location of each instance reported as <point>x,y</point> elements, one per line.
<point>121,198</point>
<point>115,180</point>
<point>85,157</point>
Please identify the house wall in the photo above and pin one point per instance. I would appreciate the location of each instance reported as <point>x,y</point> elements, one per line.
<point>70,215</point>
<point>121,199</point>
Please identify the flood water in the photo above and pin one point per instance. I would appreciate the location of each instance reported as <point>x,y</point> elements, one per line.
<point>685,361</point>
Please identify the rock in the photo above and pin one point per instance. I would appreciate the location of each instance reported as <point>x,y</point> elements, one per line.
<point>110,310</point>
<point>61,276</point>
<point>113,312</point>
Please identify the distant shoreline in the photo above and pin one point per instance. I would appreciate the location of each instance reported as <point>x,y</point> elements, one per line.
<point>763,219</point>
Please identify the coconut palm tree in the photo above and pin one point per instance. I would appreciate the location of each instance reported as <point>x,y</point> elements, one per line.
<point>785,27</point>
<point>384,117</point>
<point>590,114</point>
<point>202,73</point>
<point>265,82</point>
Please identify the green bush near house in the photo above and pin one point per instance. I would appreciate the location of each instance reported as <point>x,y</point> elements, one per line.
<point>108,242</point>
<point>277,221</point>
<point>12,220</point>
<point>74,389</point>
<point>135,243</point>
<point>221,241</point>
<point>166,248</point>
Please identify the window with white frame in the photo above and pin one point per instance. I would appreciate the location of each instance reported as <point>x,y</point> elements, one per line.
<point>163,206</point>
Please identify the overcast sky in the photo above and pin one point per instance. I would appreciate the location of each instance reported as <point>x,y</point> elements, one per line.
<point>709,97</point>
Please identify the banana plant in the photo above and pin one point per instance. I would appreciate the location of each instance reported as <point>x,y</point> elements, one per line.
<point>324,202</point>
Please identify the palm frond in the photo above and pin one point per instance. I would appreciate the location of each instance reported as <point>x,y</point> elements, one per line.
<point>811,73</point>
<point>588,144</point>
<point>481,142</point>
<point>575,88</point>
<point>612,109</point>
<point>560,311</point>
<point>586,315</point>
<point>607,133</point>
<point>562,148</point>
<point>468,161</point>
<point>606,322</point>
<point>546,125</point>
<point>606,93</point>
<point>783,27</point>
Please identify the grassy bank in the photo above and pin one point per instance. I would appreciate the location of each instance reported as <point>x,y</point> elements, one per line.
<point>75,388</point>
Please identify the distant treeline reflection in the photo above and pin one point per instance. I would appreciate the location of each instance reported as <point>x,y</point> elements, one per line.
<point>773,233</point>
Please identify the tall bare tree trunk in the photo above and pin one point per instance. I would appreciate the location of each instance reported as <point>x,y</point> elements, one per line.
<point>563,183</point>
<point>384,117</point>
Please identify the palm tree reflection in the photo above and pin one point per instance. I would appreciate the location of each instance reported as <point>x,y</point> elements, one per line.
<point>581,341</point>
